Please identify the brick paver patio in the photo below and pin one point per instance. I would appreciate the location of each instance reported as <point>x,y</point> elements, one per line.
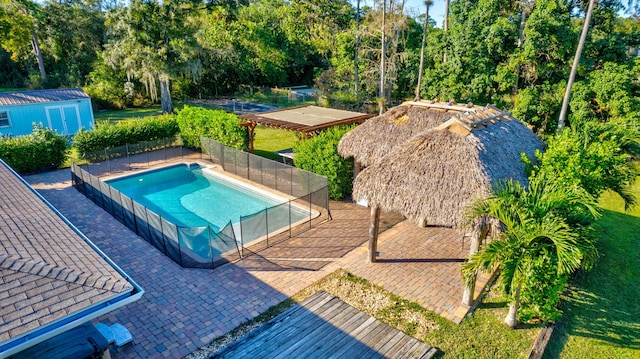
<point>183,309</point>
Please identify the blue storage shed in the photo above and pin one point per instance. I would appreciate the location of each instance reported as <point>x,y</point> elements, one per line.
<point>63,110</point>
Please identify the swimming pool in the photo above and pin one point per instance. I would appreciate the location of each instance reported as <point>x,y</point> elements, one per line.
<point>189,195</point>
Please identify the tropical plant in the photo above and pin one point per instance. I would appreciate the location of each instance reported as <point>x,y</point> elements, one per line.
<point>534,224</point>
<point>594,155</point>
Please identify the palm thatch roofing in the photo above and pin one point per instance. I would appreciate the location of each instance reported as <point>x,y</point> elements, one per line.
<point>380,135</point>
<point>437,173</point>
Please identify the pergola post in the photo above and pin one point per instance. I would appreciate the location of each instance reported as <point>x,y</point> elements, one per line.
<point>467,295</point>
<point>374,226</point>
<point>251,127</point>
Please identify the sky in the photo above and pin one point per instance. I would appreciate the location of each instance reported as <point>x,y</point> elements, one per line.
<point>416,7</point>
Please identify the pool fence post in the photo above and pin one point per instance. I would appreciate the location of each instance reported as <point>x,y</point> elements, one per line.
<point>241,240</point>
<point>222,156</point>
<point>210,246</point>
<point>128,159</point>
<point>146,148</point>
<point>289,218</point>
<point>106,155</point>
<point>310,217</point>
<point>261,172</point>
<point>266,224</point>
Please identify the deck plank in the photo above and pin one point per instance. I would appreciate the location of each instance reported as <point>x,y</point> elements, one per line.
<point>324,326</point>
<point>312,344</point>
<point>292,331</point>
<point>280,326</point>
<point>314,321</point>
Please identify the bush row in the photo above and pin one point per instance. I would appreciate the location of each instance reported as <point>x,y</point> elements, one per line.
<point>214,124</point>
<point>42,149</point>
<point>108,135</point>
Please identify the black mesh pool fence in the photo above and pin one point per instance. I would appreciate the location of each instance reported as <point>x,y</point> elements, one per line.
<point>205,247</point>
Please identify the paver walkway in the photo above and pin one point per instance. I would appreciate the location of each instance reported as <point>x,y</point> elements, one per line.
<point>183,309</point>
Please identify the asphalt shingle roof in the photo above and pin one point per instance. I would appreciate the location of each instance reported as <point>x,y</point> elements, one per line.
<point>47,270</point>
<point>41,96</point>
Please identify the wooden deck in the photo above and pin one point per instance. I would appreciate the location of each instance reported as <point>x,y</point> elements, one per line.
<point>321,327</point>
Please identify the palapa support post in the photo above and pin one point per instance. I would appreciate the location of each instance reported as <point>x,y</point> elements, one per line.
<point>467,295</point>
<point>373,233</point>
<point>356,169</point>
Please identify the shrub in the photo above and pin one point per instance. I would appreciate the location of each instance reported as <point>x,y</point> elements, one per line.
<point>596,156</point>
<point>319,154</point>
<point>41,150</point>
<point>108,135</point>
<point>541,290</point>
<point>215,124</point>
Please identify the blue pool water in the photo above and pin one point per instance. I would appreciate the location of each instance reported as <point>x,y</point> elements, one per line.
<point>187,197</point>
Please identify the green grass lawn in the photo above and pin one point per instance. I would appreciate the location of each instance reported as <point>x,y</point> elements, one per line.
<point>268,140</point>
<point>129,113</point>
<point>11,89</point>
<point>602,311</point>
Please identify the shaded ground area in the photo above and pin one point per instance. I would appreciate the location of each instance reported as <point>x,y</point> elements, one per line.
<point>419,264</point>
<point>323,326</point>
<point>184,309</point>
<point>602,310</point>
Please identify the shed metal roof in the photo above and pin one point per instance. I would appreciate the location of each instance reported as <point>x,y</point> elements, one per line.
<point>41,96</point>
<point>48,270</point>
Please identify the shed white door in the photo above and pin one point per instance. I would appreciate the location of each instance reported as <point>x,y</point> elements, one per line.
<point>64,119</point>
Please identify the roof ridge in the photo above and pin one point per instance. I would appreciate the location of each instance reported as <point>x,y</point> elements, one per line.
<point>43,269</point>
<point>463,123</point>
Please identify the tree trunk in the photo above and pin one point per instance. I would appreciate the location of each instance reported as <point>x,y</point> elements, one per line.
<point>511,320</point>
<point>523,20</point>
<point>356,79</point>
<point>34,44</point>
<point>574,68</point>
<point>38,53</point>
<point>381,101</point>
<point>424,39</point>
<point>446,27</point>
<point>165,94</point>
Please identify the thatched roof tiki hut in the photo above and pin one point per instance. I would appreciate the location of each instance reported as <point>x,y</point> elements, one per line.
<point>435,174</point>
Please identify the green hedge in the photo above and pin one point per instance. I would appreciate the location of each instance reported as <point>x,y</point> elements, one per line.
<point>319,154</point>
<point>107,135</point>
<point>41,150</point>
<point>214,124</point>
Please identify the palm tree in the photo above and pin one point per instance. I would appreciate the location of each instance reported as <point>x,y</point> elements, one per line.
<point>574,67</point>
<point>445,26</point>
<point>533,224</point>
<point>424,39</point>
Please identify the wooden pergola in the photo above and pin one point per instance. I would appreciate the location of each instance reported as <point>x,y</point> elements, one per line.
<point>306,120</point>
